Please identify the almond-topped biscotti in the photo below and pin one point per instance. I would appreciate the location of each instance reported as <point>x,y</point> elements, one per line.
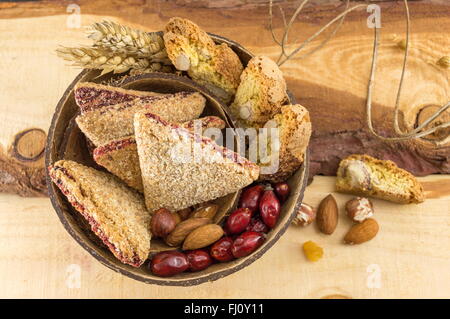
<point>294,132</point>
<point>91,96</point>
<point>260,94</point>
<point>367,176</point>
<point>115,121</point>
<point>180,169</point>
<point>120,156</point>
<point>191,49</point>
<point>117,214</point>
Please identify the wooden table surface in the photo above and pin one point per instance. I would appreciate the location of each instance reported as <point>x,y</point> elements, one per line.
<point>410,257</point>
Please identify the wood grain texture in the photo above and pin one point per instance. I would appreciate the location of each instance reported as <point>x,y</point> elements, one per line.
<point>412,249</point>
<point>411,252</point>
<point>331,83</point>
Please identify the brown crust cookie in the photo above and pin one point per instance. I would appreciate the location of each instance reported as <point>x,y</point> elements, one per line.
<point>261,92</point>
<point>90,96</point>
<point>295,130</point>
<point>191,49</point>
<point>120,157</point>
<point>181,169</point>
<point>120,219</point>
<point>115,121</point>
<point>364,175</point>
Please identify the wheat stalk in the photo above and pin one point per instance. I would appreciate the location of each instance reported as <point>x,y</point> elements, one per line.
<point>119,49</point>
<point>97,58</point>
<point>125,40</point>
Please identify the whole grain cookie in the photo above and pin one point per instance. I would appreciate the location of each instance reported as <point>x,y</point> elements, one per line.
<point>260,94</point>
<point>367,176</point>
<point>119,219</point>
<point>191,49</point>
<point>294,132</point>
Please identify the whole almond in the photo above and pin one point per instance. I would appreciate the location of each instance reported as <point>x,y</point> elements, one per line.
<point>207,211</point>
<point>360,233</point>
<point>178,235</point>
<point>203,236</point>
<point>184,213</point>
<point>327,215</point>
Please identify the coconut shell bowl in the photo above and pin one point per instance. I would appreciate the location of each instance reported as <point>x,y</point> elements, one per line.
<point>66,141</point>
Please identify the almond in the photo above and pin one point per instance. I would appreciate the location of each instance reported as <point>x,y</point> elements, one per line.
<point>360,233</point>
<point>327,215</point>
<point>206,211</point>
<point>184,213</point>
<point>177,236</point>
<point>203,236</point>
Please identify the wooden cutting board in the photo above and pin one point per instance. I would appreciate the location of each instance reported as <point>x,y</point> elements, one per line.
<point>409,258</point>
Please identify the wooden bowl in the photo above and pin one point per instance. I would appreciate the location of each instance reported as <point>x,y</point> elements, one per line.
<point>66,141</point>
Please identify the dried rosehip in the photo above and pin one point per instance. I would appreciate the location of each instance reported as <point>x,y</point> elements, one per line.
<point>282,190</point>
<point>256,224</point>
<point>247,243</point>
<point>269,208</point>
<point>221,250</point>
<point>238,221</point>
<point>198,259</point>
<point>169,263</point>
<point>250,198</point>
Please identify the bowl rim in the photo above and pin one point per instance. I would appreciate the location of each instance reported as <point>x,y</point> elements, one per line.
<point>171,281</point>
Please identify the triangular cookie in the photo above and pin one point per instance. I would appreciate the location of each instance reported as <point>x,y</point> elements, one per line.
<point>117,214</point>
<point>115,121</point>
<point>120,156</point>
<point>90,96</point>
<point>180,169</point>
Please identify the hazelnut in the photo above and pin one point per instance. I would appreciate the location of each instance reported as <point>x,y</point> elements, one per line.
<point>358,175</point>
<point>359,209</point>
<point>306,214</point>
<point>163,222</point>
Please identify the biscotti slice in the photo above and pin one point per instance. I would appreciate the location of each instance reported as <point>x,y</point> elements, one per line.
<point>191,49</point>
<point>91,96</point>
<point>116,214</point>
<point>294,132</point>
<point>367,176</point>
<point>180,169</point>
<point>120,157</point>
<point>260,94</point>
<point>115,121</point>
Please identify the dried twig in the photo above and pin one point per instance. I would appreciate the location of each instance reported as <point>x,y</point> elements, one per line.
<point>419,131</point>
<point>284,56</point>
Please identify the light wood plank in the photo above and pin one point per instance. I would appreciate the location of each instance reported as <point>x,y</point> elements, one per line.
<point>412,252</point>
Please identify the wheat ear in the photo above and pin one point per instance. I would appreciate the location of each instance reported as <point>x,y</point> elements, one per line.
<point>125,40</point>
<point>96,58</point>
